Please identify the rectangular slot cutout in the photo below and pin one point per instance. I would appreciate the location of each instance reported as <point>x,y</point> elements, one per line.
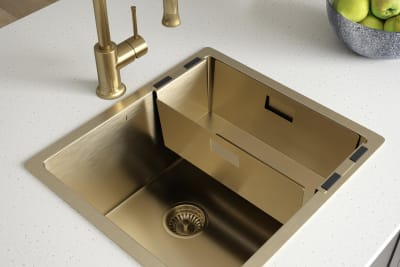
<point>331,181</point>
<point>162,82</point>
<point>281,114</point>
<point>358,154</point>
<point>192,63</point>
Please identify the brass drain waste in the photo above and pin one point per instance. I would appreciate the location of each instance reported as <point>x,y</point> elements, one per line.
<point>185,220</point>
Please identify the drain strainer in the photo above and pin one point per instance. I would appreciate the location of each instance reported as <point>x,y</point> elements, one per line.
<point>185,220</point>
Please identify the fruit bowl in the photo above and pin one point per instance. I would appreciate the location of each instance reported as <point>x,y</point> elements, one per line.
<point>363,40</point>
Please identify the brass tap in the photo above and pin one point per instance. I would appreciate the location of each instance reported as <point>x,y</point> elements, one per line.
<point>110,57</point>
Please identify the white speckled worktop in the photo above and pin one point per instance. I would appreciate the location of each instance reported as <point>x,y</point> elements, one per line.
<point>47,88</point>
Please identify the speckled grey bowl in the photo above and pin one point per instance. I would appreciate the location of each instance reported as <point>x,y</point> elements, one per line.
<point>363,40</point>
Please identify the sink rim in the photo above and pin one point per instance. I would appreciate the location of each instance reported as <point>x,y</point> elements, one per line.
<point>36,165</point>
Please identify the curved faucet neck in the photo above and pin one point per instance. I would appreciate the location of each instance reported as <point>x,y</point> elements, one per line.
<point>170,19</point>
<point>103,30</point>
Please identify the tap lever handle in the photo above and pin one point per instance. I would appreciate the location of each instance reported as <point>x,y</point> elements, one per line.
<point>135,28</point>
<point>136,43</point>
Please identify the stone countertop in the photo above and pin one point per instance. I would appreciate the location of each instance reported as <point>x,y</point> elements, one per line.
<point>47,88</point>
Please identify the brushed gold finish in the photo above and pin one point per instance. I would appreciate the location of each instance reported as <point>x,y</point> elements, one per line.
<point>103,29</point>
<point>110,58</point>
<point>273,154</point>
<point>253,165</point>
<point>171,13</point>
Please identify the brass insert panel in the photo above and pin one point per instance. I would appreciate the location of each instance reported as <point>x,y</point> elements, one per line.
<point>267,147</point>
<point>213,164</point>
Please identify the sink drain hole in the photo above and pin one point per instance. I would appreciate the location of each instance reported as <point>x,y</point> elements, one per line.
<point>185,220</point>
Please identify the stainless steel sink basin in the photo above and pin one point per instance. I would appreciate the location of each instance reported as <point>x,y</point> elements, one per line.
<point>213,164</point>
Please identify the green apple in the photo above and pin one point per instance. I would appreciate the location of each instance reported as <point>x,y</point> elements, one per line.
<point>354,10</point>
<point>385,9</point>
<point>372,22</point>
<point>392,24</point>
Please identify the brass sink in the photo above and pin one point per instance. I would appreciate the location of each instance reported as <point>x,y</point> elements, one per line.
<point>213,164</point>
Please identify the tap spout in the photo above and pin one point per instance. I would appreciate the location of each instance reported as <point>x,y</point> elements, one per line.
<point>171,13</point>
<point>111,57</point>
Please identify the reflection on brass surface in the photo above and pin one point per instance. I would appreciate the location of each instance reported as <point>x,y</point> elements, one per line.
<point>248,152</point>
<point>235,228</point>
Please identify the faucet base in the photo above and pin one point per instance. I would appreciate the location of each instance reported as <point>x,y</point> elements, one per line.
<point>111,93</point>
<point>110,57</point>
<point>108,72</point>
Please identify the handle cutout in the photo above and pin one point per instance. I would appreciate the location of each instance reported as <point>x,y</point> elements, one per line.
<point>278,112</point>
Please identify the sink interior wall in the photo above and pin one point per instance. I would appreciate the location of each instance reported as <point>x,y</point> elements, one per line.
<point>117,158</point>
<point>123,170</point>
<point>232,97</point>
<point>304,135</point>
